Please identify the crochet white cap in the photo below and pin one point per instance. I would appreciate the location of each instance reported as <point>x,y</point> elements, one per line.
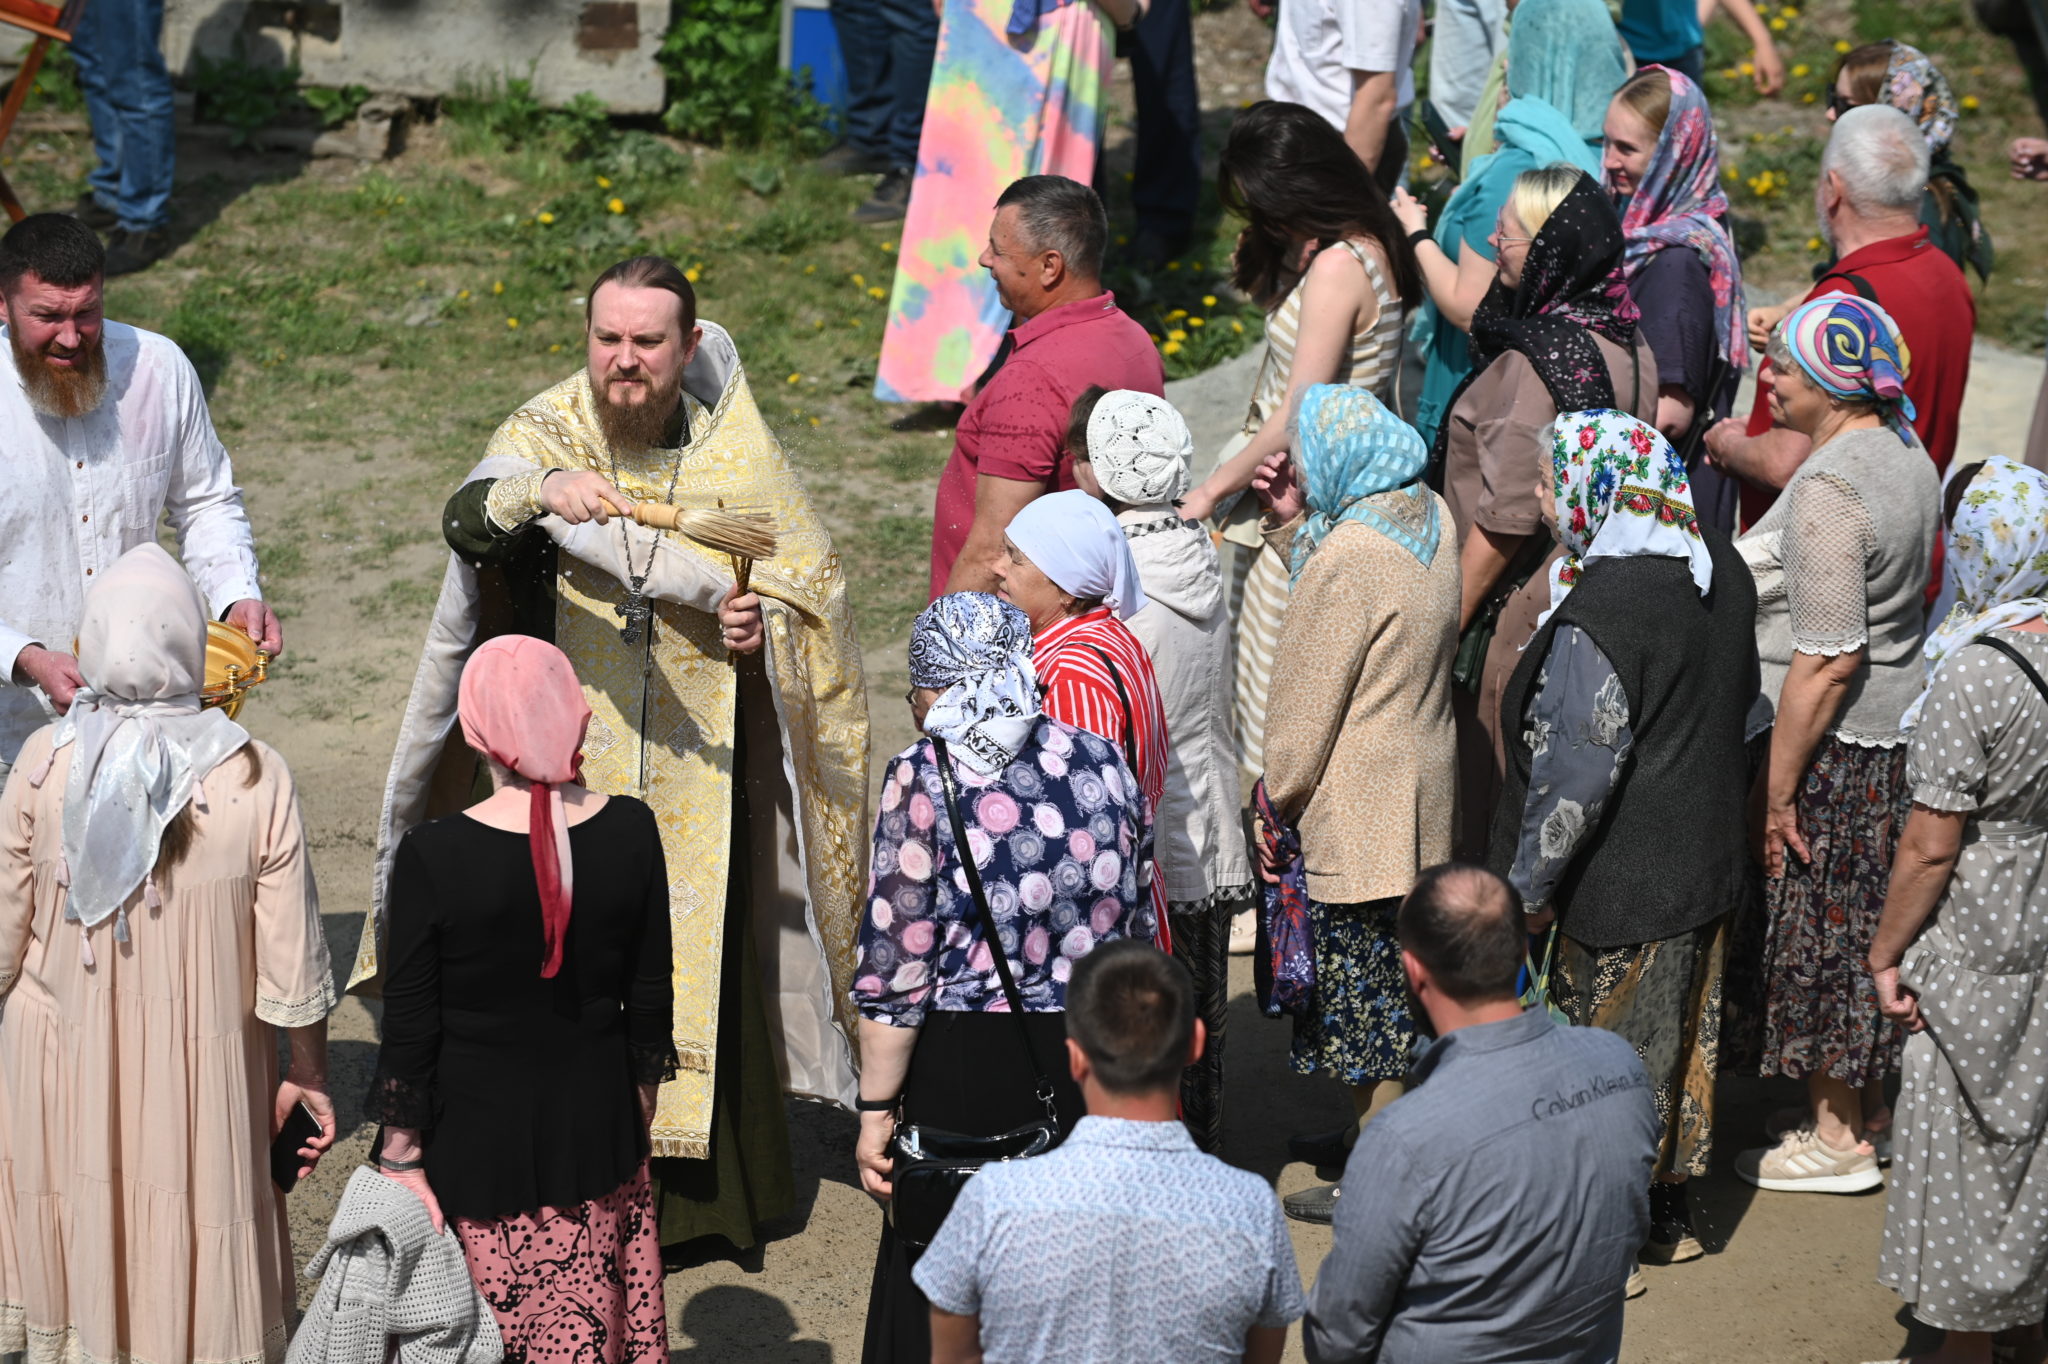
<point>1140,448</point>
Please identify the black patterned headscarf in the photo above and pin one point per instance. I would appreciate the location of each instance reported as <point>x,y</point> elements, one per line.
<point>1572,288</point>
<point>975,651</point>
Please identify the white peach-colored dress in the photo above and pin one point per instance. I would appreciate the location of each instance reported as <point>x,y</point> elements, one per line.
<point>138,1222</point>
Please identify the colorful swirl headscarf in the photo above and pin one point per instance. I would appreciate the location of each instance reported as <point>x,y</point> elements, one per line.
<point>1621,491</point>
<point>1998,551</point>
<point>1350,449</point>
<point>1851,347</point>
<point>975,650</point>
<point>1679,203</point>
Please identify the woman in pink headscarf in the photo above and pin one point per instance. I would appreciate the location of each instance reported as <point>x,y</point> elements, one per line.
<point>527,1022</point>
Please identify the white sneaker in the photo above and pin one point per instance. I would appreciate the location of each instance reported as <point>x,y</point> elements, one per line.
<point>1244,933</point>
<point>1637,1284</point>
<point>1802,1163</point>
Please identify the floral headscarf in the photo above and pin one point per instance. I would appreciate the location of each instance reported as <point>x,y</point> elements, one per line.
<point>1998,551</point>
<point>1851,347</point>
<point>1621,491</point>
<point>975,649</point>
<point>1351,449</point>
<point>1916,89</point>
<point>1679,203</point>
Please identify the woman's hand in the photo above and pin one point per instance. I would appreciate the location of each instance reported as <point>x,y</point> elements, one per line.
<point>871,1154</point>
<point>313,1094</point>
<point>1896,1001</point>
<point>1780,832</point>
<point>1409,211</point>
<point>1762,322</point>
<point>416,1182</point>
<point>1769,69</point>
<point>1199,504</point>
<point>1277,487</point>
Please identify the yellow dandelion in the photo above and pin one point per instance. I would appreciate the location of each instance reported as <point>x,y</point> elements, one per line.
<point>816,421</point>
<point>795,379</point>
<point>1236,327</point>
<point>1730,173</point>
<point>1729,73</point>
<point>1173,265</point>
<point>545,219</point>
<point>462,294</point>
<point>1177,314</point>
<point>1808,98</point>
<point>1970,104</point>
<point>1154,336</point>
<point>1198,322</point>
<point>1788,12</point>
<point>498,286</point>
<point>820,324</point>
<point>1813,243</point>
<point>1778,25</point>
<point>1170,348</point>
<point>1747,68</point>
<point>853,322</point>
<point>399,200</point>
<point>1176,335</point>
<point>1208,300</point>
<point>693,274</point>
<point>512,324</point>
<point>888,248</point>
<point>1841,44</point>
<point>1802,71</point>
<point>615,204</point>
<point>555,349</point>
<point>877,292</point>
<point>810,269</point>
<point>860,281</point>
<point>604,182</point>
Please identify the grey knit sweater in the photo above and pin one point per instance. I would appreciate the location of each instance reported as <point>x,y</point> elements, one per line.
<point>387,1278</point>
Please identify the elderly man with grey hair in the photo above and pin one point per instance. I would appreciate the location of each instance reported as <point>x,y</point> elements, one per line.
<point>1044,251</point>
<point>1868,202</point>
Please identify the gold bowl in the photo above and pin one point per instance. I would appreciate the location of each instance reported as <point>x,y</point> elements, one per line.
<point>233,665</point>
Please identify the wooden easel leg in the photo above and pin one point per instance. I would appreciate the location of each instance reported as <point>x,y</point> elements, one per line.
<point>24,81</point>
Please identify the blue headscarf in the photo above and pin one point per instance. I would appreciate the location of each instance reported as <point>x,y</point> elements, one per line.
<point>1567,54</point>
<point>1350,449</point>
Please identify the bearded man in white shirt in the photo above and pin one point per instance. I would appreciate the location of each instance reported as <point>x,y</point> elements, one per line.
<point>103,429</point>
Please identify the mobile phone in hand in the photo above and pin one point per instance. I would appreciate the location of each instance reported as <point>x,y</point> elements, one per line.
<point>300,1127</point>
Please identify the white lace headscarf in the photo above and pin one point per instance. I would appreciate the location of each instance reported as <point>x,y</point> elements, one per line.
<point>1140,448</point>
<point>140,743</point>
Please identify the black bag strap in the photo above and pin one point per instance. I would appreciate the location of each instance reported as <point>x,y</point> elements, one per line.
<point>1856,282</point>
<point>988,922</point>
<point>1123,699</point>
<point>2017,657</point>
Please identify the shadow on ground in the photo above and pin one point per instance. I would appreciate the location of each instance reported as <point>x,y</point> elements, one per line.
<point>727,1324</point>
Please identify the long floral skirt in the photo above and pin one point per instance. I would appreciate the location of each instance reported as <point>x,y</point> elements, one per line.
<point>1820,1007</point>
<point>1358,1028</point>
<point>576,1285</point>
<point>1664,999</point>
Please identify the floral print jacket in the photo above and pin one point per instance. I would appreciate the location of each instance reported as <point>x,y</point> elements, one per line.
<point>1577,727</point>
<point>1063,841</point>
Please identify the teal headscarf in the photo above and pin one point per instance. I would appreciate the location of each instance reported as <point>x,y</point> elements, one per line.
<point>1350,448</point>
<point>1567,54</point>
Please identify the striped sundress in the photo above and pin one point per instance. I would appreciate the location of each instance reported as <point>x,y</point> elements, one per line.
<point>999,109</point>
<point>1258,576</point>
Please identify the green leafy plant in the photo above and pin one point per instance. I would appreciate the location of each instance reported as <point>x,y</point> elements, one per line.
<point>725,83</point>
<point>57,83</point>
<point>504,113</point>
<point>335,106</point>
<point>246,97</point>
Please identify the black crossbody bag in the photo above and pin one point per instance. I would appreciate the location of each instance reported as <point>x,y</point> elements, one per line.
<point>932,1165</point>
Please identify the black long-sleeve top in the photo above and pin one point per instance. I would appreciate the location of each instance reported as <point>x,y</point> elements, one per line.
<point>524,1087</point>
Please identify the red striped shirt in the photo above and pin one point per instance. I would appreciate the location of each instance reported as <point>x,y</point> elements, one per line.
<point>1079,690</point>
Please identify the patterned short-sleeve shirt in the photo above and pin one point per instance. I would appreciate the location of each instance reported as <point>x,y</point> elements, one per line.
<point>1126,1243</point>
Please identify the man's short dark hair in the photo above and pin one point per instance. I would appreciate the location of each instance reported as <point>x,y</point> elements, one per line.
<point>1132,1010</point>
<point>54,247</point>
<point>1058,214</point>
<point>647,272</point>
<point>1077,421</point>
<point>1464,924</point>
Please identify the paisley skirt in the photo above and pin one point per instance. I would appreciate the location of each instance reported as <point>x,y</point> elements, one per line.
<point>576,1285</point>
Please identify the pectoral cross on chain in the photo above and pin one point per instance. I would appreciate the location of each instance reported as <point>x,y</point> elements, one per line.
<point>635,612</point>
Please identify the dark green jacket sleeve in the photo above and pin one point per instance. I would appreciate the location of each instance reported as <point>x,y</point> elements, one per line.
<point>518,566</point>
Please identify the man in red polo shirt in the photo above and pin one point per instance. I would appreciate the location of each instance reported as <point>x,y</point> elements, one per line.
<point>1872,176</point>
<point>1045,252</point>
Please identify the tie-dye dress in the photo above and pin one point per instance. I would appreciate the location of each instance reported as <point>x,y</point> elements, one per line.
<point>1000,108</point>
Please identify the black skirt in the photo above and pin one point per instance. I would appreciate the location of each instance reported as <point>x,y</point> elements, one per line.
<point>970,1074</point>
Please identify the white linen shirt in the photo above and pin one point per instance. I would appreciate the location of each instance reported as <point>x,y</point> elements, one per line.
<point>1319,43</point>
<point>81,492</point>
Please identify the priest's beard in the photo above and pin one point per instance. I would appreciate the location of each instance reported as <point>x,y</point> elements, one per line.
<point>641,426</point>
<point>61,390</point>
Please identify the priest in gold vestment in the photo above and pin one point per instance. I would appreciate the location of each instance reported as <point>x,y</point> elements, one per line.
<point>741,719</point>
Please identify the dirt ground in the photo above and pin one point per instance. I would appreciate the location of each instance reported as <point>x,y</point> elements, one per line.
<point>1786,1277</point>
